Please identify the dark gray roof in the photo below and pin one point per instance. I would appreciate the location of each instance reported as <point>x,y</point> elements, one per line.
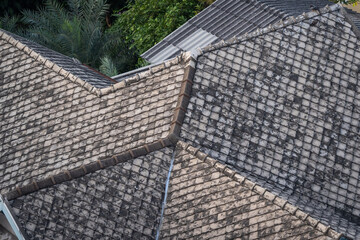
<point>225,19</point>
<point>354,17</point>
<point>121,202</point>
<point>271,116</point>
<point>294,7</point>
<point>71,65</point>
<point>282,108</point>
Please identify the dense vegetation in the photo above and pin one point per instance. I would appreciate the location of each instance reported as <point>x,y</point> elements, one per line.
<point>108,36</point>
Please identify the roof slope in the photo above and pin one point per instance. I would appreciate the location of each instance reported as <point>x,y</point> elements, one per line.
<point>121,202</point>
<point>225,19</point>
<point>279,106</point>
<point>49,123</point>
<point>72,65</point>
<point>209,201</point>
<point>282,107</point>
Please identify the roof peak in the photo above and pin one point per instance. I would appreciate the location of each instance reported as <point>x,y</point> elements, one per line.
<point>183,58</point>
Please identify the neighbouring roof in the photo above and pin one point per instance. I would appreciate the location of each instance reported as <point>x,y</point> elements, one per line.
<point>269,118</point>
<point>225,19</point>
<point>71,65</point>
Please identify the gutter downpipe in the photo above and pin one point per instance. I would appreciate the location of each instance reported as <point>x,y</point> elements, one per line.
<point>165,195</point>
<point>5,208</point>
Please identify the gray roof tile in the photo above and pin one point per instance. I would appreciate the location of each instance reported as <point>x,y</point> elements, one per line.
<point>209,201</point>
<point>49,123</point>
<point>278,106</point>
<point>281,108</point>
<point>120,202</point>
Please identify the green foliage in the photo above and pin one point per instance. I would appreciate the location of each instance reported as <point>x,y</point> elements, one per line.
<point>353,2</point>
<point>11,23</point>
<point>14,7</point>
<point>108,67</point>
<point>77,31</point>
<point>148,21</point>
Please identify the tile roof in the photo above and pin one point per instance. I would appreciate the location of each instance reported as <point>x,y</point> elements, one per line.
<point>274,112</point>
<point>49,123</point>
<point>71,65</point>
<point>228,18</point>
<point>282,107</point>
<point>207,200</point>
<point>121,202</point>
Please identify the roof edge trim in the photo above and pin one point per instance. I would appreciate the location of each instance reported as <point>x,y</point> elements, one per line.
<point>83,170</point>
<point>51,65</point>
<point>283,204</point>
<point>271,28</point>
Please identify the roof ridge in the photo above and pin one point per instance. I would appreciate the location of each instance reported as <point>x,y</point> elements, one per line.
<point>270,28</point>
<point>85,169</point>
<point>182,58</point>
<point>347,16</point>
<point>172,138</point>
<point>283,204</point>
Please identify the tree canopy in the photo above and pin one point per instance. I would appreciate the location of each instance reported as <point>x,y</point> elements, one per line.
<point>146,22</point>
<point>83,29</point>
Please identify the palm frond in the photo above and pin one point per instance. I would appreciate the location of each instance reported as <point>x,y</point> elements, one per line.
<point>107,67</point>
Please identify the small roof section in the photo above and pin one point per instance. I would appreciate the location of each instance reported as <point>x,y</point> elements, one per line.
<point>71,65</point>
<point>120,202</point>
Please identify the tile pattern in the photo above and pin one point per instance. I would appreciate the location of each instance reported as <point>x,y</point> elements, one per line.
<point>49,124</point>
<point>120,202</point>
<point>205,203</point>
<point>283,108</point>
<point>69,64</point>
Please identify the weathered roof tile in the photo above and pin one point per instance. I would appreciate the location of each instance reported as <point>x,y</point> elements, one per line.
<point>286,122</point>
<point>123,201</point>
<point>49,123</point>
<point>218,206</point>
